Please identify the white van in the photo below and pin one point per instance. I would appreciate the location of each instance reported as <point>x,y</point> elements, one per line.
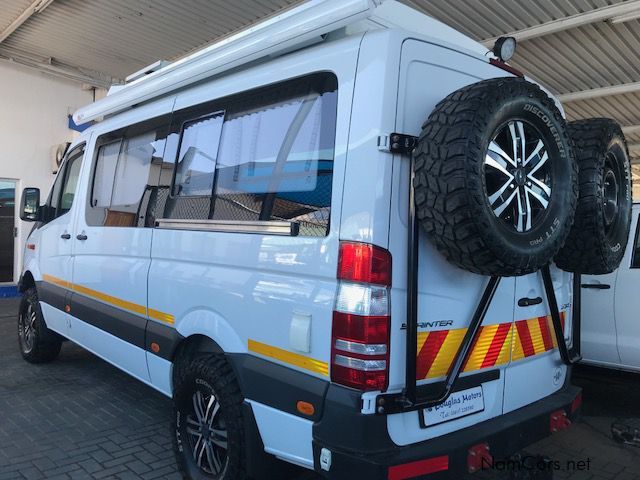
<point>241,232</point>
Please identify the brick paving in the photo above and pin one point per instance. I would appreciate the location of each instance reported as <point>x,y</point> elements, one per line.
<point>81,418</point>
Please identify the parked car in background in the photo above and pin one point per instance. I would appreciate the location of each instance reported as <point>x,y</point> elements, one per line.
<point>611,311</point>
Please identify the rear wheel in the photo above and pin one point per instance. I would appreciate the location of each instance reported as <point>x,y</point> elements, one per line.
<point>598,238</point>
<point>495,178</point>
<point>208,421</point>
<point>37,343</point>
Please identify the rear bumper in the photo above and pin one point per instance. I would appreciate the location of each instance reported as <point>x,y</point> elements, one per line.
<point>443,456</point>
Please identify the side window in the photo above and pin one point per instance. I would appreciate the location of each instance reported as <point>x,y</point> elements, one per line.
<point>198,155</point>
<point>65,185</point>
<point>635,262</point>
<point>126,175</point>
<point>265,155</point>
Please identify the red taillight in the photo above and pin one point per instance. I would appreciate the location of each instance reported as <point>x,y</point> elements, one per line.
<point>360,351</point>
<point>361,262</point>
<point>361,321</point>
<point>356,328</point>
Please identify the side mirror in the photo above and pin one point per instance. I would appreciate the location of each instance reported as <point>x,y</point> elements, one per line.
<point>30,210</point>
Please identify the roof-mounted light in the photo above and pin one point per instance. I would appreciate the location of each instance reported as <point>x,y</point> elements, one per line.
<point>505,48</point>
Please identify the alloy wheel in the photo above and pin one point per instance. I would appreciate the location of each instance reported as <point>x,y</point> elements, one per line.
<point>517,176</point>
<point>28,328</point>
<point>207,433</point>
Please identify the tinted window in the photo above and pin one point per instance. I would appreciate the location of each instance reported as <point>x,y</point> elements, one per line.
<point>126,176</point>
<point>66,183</point>
<point>265,155</point>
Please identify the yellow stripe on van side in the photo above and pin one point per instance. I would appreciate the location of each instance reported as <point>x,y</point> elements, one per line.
<point>291,358</point>
<point>57,281</point>
<point>158,315</point>
<point>110,299</point>
<point>117,302</point>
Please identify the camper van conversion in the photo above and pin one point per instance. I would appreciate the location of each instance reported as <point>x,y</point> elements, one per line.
<point>346,238</point>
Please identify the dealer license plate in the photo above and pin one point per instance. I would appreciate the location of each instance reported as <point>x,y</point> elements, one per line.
<point>458,405</point>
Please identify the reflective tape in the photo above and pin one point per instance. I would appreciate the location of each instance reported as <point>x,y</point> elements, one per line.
<point>494,345</point>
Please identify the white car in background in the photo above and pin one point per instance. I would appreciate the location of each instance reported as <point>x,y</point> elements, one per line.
<point>610,309</point>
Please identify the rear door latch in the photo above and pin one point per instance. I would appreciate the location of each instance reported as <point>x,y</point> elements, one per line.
<point>397,143</point>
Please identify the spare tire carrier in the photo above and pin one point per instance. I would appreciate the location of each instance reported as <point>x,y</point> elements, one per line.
<point>414,397</point>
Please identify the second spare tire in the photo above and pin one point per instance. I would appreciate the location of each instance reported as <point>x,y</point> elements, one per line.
<point>495,178</point>
<point>598,238</point>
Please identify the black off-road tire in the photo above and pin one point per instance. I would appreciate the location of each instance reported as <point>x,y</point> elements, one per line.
<point>43,345</point>
<point>452,203</point>
<point>597,241</point>
<point>211,375</point>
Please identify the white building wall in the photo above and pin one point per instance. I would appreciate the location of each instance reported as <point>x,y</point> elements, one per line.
<point>33,118</point>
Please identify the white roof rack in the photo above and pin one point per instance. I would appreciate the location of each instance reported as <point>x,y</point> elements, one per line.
<point>297,26</point>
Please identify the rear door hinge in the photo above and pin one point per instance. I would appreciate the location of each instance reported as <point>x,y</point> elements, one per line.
<point>397,143</point>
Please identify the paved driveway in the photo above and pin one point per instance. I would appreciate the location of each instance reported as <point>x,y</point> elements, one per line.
<point>79,417</point>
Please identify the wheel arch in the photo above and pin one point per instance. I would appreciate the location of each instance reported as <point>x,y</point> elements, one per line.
<point>26,281</point>
<point>204,332</point>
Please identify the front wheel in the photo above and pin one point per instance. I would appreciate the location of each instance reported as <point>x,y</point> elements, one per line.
<point>37,343</point>
<point>208,421</point>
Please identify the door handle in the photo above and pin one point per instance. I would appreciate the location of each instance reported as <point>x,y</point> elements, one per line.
<point>527,302</point>
<point>597,286</point>
<point>65,236</point>
<point>81,236</point>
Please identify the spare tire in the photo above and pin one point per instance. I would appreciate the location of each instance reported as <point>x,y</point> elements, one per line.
<point>495,179</point>
<point>598,238</point>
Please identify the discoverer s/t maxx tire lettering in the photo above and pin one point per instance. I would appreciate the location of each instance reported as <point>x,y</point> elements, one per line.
<point>495,178</point>
<point>597,241</point>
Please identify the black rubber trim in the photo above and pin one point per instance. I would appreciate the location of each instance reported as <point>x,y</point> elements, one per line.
<point>167,337</point>
<point>343,427</point>
<point>394,402</point>
<point>120,323</point>
<point>127,326</point>
<point>505,435</point>
<point>463,383</point>
<point>52,294</point>
<point>277,386</point>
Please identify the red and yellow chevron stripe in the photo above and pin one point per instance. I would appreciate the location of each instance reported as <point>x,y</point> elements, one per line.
<point>494,345</point>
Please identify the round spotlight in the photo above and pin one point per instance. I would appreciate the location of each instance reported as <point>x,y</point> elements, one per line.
<point>504,48</point>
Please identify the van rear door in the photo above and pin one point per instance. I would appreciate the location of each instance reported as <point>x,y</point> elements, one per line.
<point>537,370</point>
<point>447,296</point>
